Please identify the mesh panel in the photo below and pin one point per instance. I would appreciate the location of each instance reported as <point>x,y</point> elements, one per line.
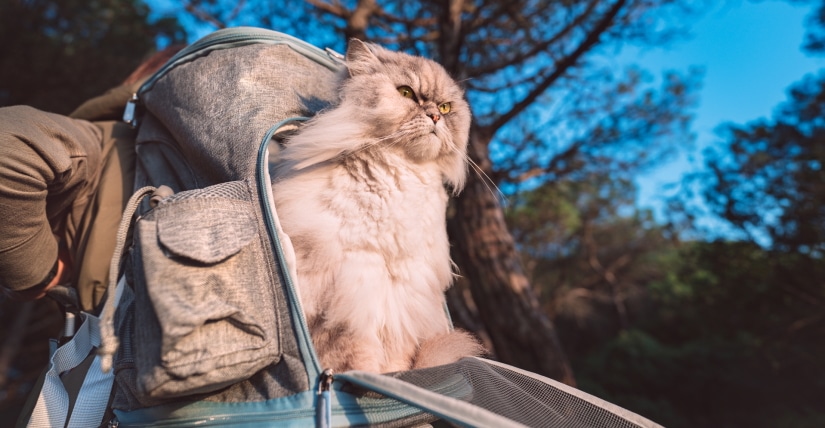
<point>387,420</point>
<point>386,412</point>
<point>519,397</point>
<point>231,190</point>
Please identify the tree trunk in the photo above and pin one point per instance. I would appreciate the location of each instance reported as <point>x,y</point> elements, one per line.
<point>486,256</point>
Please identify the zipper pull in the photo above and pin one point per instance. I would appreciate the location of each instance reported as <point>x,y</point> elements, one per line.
<point>335,56</point>
<point>129,115</point>
<point>323,411</point>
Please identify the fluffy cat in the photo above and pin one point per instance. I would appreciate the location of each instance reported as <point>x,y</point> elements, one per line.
<point>361,191</point>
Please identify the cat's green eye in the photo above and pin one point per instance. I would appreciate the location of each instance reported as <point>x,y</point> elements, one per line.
<point>444,108</point>
<point>406,92</point>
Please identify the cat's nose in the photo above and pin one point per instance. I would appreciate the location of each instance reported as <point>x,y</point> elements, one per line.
<point>434,117</point>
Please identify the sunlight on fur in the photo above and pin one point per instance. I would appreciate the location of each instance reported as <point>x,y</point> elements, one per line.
<point>362,191</point>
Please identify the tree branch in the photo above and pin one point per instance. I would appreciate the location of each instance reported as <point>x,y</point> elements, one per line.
<point>450,40</point>
<point>201,14</point>
<point>237,10</point>
<point>418,22</point>
<point>554,164</point>
<point>334,9</point>
<point>608,274</point>
<point>538,47</point>
<point>560,68</point>
<point>359,19</point>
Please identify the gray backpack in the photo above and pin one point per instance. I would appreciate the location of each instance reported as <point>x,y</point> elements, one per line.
<point>210,329</point>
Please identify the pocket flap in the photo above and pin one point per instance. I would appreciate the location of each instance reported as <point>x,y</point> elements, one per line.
<point>206,231</point>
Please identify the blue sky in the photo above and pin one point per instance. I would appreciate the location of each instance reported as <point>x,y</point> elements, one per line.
<point>751,53</point>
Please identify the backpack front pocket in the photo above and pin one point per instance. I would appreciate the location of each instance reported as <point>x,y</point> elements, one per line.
<point>205,310</point>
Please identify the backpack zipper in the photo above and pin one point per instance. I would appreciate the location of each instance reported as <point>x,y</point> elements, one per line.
<point>313,366</point>
<point>323,415</point>
<point>129,113</point>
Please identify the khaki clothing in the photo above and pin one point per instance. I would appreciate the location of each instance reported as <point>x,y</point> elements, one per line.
<point>94,241</point>
<point>67,177</point>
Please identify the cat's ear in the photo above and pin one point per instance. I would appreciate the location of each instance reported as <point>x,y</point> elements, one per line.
<point>360,58</point>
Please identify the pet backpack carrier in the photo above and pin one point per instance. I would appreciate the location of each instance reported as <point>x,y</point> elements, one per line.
<point>209,325</point>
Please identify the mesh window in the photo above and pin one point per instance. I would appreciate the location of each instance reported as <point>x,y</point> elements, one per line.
<point>520,396</point>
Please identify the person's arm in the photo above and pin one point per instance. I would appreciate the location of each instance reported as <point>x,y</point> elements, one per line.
<point>48,164</point>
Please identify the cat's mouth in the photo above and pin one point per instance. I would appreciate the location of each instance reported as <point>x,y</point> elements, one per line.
<point>426,146</point>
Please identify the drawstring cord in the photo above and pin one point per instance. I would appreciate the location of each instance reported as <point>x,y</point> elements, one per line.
<point>108,340</point>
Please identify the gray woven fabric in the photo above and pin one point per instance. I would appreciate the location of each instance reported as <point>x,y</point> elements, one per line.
<point>214,111</point>
<point>210,319</point>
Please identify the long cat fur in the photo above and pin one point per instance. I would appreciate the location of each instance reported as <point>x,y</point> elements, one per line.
<point>361,191</point>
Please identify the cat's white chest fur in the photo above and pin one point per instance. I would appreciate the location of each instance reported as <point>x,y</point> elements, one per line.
<point>372,250</point>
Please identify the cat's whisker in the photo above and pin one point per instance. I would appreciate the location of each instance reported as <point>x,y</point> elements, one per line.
<point>375,141</point>
<point>505,202</point>
<point>455,271</point>
<point>485,179</point>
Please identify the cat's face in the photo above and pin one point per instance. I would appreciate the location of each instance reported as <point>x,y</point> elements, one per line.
<point>409,103</point>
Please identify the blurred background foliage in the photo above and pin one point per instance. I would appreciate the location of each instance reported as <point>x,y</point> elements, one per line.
<point>57,53</point>
<point>685,328</point>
